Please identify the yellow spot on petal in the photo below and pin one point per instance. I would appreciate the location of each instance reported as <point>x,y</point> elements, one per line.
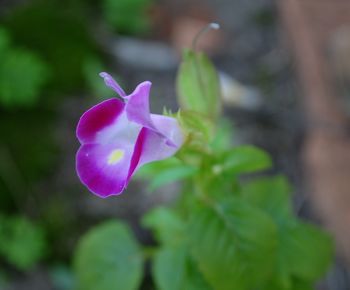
<point>115,156</point>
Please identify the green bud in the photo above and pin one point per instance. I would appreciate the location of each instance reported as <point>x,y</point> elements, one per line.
<point>198,85</point>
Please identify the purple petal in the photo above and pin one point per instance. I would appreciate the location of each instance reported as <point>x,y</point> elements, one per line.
<point>103,169</point>
<point>137,106</point>
<point>97,118</point>
<point>110,82</point>
<point>121,131</point>
<point>151,145</point>
<point>137,152</point>
<point>169,128</point>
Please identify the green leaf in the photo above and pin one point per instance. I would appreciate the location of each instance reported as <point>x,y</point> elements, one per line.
<point>306,250</point>
<point>303,251</point>
<point>172,266</point>
<point>22,243</point>
<point>195,279</point>
<point>166,171</point>
<point>223,136</point>
<point>234,245</point>
<point>304,254</point>
<point>173,269</point>
<point>127,16</point>
<point>243,159</point>
<point>197,85</point>
<point>22,76</point>
<point>166,224</point>
<point>271,194</point>
<point>171,175</point>
<point>169,268</point>
<point>150,169</point>
<point>108,258</point>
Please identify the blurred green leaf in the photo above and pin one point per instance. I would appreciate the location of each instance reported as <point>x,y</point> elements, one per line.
<point>165,171</point>
<point>174,270</point>
<point>234,244</point>
<point>243,159</point>
<point>127,16</point>
<point>198,85</point>
<point>223,136</point>
<point>304,254</point>
<point>150,169</point>
<point>22,76</point>
<point>171,175</point>
<point>22,243</point>
<point>57,30</point>
<point>306,250</point>
<point>108,258</point>
<point>169,268</point>
<point>271,194</point>
<point>166,225</point>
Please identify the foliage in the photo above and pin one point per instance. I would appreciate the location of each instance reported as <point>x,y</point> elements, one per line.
<point>108,258</point>
<point>127,16</point>
<point>58,31</point>
<point>225,232</point>
<point>198,85</point>
<point>22,243</point>
<point>22,74</point>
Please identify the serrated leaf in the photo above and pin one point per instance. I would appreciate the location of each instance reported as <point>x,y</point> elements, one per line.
<point>306,250</point>
<point>234,245</point>
<point>172,267</point>
<point>271,194</point>
<point>244,159</point>
<point>22,243</point>
<point>108,258</point>
<point>197,85</point>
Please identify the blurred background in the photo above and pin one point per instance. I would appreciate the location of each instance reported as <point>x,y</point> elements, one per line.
<point>284,68</point>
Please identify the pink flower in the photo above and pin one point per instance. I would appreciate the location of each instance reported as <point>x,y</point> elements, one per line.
<point>117,137</point>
